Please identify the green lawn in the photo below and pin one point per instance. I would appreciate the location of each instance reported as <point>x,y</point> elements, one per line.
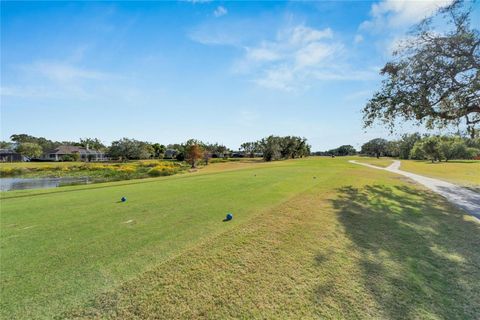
<point>463,172</point>
<point>312,238</point>
<point>381,162</point>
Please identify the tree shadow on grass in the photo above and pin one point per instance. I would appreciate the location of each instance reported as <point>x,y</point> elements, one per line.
<point>417,256</point>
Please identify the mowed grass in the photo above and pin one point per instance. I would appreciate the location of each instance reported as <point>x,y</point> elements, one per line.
<point>381,162</point>
<point>310,238</point>
<point>463,172</point>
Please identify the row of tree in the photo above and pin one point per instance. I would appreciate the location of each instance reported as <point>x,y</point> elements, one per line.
<point>271,148</point>
<point>415,146</point>
<point>276,148</point>
<point>46,144</point>
<point>191,151</point>
<point>123,149</point>
<point>345,150</point>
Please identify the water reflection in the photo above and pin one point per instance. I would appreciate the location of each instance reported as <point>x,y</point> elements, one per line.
<point>7,184</point>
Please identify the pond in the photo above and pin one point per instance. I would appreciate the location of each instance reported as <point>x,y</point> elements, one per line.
<point>7,184</point>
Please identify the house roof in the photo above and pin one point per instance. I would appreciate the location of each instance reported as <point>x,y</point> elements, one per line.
<point>65,149</point>
<point>8,151</point>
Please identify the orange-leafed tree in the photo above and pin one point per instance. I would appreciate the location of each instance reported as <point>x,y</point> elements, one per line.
<point>193,153</point>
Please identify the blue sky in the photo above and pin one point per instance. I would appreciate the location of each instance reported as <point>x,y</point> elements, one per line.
<point>223,72</point>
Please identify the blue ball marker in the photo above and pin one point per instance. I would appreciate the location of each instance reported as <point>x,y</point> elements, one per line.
<point>124,199</point>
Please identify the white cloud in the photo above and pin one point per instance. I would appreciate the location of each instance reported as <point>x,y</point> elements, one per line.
<point>302,34</point>
<point>198,1</point>
<point>278,77</point>
<point>296,58</point>
<point>55,80</point>
<point>220,11</point>
<point>215,34</point>
<point>63,72</point>
<point>400,13</point>
<point>314,53</point>
<point>261,54</point>
<point>358,39</point>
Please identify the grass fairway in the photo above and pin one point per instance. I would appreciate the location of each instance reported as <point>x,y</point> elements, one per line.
<point>381,162</point>
<point>352,242</point>
<point>463,172</point>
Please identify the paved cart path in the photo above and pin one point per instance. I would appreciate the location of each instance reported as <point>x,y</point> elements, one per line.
<point>463,198</point>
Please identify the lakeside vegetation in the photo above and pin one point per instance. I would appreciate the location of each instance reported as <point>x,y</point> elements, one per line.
<point>100,171</point>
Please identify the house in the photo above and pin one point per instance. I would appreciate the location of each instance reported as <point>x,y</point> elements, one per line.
<point>9,155</point>
<point>170,153</point>
<point>63,152</point>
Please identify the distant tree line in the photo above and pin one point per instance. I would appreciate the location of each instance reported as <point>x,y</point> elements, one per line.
<point>277,148</point>
<point>122,149</point>
<point>416,146</point>
<point>345,150</point>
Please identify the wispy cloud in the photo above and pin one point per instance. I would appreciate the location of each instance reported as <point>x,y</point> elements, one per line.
<point>210,34</point>
<point>297,57</point>
<point>400,13</point>
<point>49,79</point>
<point>392,18</point>
<point>358,39</point>
<point>198,1</point>
<point>220,11</point>
<point>63,72</point>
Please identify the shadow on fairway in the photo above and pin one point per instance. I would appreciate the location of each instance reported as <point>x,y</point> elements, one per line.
<point>419,258</point>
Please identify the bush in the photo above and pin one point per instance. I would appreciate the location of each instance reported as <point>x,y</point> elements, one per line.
<point>180,156</point>
<point>161,170</point>
<point>417,151</point>
<point>473,153</point>
<point>71,157</point>
<point>127,168</point>
<point>9,172</point>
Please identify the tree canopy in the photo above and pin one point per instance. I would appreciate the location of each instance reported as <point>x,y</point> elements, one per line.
<point>193,153</point>
<point>276,148</point>
<point>128,149</point>
<point>375,147</point>
<point>29,149</point>
<point>434,78</point>
<point>92,143</point>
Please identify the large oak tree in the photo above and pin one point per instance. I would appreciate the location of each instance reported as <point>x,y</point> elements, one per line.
<point>434,77</point>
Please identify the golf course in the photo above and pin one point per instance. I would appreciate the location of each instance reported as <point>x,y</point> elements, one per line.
<point>310,238</point>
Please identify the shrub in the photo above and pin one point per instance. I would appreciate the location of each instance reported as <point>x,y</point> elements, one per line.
<point>8,172</point>
<point>162,170</point>
<point>417,152</point>
<point>127,168</point>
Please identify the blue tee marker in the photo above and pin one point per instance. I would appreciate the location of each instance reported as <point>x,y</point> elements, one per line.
<point>228,217</point>
<point>124,199</point>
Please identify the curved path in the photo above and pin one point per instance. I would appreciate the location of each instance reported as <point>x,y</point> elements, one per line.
<point>463,198</point>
